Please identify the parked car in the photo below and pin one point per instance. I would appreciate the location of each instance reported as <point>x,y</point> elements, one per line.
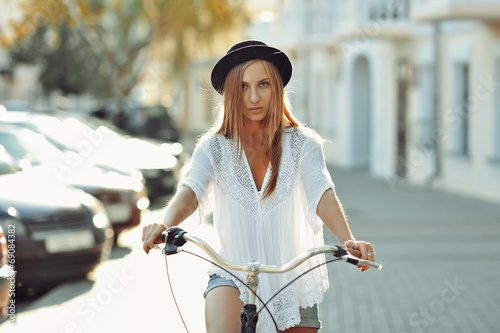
<point>60,232</point>
<point>157,122</point>
<point>106,146</point>
<point>161,162</point>
<point>85,145</point>
<point>124,197</point>
<point>153,121</point>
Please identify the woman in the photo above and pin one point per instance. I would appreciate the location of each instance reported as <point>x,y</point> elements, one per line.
<point>272,191</point>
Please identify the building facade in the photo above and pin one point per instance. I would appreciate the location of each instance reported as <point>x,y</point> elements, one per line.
<point>409,90</point>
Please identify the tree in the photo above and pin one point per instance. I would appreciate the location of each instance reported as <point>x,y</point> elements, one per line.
<point>101,46</point>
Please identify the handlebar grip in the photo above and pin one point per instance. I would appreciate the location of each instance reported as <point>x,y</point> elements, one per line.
<point>173,239</point>
<point>362,262</point>
<point>370,264</point>
<point>173,236</point>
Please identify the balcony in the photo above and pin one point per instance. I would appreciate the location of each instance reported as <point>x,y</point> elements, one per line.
<point>437,10</point>
<point>372,19</point>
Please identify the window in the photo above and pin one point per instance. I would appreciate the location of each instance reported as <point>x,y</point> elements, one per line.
<point>459,116</point>
<point>424,122</point>
<point>496,112</point>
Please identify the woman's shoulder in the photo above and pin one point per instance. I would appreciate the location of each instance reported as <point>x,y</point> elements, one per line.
<point>303,133</point>
<point>207,137</point>
<point>212,142</point>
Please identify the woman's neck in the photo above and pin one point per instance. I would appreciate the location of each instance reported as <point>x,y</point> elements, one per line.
<point>253,131</point>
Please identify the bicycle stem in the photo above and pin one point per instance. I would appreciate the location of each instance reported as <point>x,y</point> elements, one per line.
<point>252,284</point>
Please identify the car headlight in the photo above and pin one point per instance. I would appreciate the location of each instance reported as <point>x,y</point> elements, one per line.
<point>11,223</point>
<point>100,220</point>
<point>170,162</point>
<point>172,148</point>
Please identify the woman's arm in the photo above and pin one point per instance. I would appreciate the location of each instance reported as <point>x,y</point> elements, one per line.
<point>183,204</point>
<point>191,192</point>
<point>332,214</point>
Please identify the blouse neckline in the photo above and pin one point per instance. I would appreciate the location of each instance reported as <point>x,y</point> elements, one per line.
<point>249,171</point>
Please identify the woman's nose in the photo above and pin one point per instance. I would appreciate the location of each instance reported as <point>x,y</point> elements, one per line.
<point>254,95</point>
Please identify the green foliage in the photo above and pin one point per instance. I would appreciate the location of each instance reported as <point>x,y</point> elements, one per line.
<point>101,46</point>
<point>30,49</point>
<point>73,68</point>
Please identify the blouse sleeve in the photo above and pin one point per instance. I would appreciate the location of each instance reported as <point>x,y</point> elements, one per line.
<point>315,179</point>
<point>199,176</point>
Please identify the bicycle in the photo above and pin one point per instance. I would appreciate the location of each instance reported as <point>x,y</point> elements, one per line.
<point>175,238</point>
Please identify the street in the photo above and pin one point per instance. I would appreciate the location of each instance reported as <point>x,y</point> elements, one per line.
<point>440,253</point>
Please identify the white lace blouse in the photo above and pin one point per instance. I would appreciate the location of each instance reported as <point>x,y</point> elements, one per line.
<point>272,230</point>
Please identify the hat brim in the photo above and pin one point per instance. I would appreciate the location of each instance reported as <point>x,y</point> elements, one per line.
<point>251,52</point>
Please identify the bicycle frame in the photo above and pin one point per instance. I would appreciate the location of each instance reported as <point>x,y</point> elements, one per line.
<point>176,238</point>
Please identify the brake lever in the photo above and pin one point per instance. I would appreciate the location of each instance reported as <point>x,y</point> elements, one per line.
<point>170,249</point>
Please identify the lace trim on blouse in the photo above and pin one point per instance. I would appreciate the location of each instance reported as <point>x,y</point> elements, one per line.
<point>240,183</point>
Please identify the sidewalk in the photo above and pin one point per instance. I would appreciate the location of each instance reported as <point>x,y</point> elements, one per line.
<point>439,252</point>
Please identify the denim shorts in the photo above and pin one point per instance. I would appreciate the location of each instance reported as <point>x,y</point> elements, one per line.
<point>309,316</point>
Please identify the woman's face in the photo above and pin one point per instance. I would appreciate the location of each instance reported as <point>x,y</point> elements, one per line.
<point>256,91</point>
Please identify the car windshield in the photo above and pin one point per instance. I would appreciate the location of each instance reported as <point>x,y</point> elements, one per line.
<point>23,144</point>
<point>69,133</point>
<point>6,169</point>
<point>7,164</point>
<point>96,123</point>
<point>54,131</point>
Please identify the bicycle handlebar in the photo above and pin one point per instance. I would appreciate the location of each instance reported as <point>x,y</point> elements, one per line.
<point>175,238</point>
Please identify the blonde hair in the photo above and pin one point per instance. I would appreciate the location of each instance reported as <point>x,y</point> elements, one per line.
<point>278,118</point>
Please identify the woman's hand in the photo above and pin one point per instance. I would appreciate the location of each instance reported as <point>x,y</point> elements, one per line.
<point>182,205</point>
<point>362,250</point>
<point>151,235</point>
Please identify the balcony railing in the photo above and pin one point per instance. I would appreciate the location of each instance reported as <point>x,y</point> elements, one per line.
<point>323,22</point>
<point>386,10</point>
<point>371,18</point>
<point>437,10</point>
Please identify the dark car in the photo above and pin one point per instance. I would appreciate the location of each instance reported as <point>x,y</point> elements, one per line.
<point>124,197</point>
<point>157,123</point>
<point>153,121</point>
<point>60,232</point>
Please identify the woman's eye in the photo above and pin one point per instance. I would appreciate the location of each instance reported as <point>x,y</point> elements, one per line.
<point>264,84</point>
<point>243,86</point>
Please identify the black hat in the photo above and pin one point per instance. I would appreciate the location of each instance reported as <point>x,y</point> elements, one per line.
<point>249,50</point>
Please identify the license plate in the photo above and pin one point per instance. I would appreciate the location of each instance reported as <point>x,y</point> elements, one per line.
<point>69,241</point>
